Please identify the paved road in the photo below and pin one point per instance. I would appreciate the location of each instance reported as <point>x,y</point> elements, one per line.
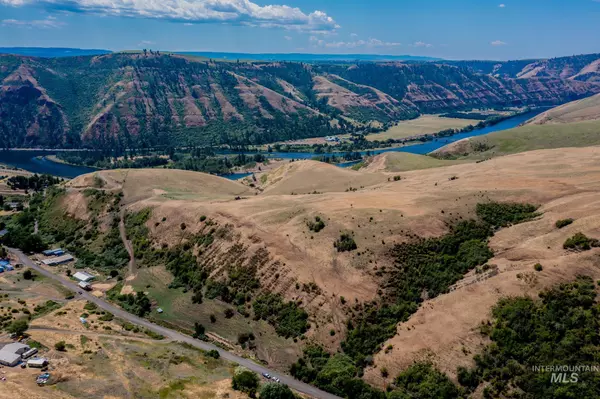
<point>175,335</point>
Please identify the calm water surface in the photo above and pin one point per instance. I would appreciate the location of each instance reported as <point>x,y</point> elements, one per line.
<point>35,161</point>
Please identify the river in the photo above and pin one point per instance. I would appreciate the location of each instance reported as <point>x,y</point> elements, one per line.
<point>36,162</point>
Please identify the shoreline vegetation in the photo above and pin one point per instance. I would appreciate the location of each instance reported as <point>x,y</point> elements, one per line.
<point>232,160</point>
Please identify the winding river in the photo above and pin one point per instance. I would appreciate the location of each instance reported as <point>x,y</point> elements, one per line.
<point>35,160</point>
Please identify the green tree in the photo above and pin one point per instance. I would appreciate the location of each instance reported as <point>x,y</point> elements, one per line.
<point>245,380</point>
<point>18,327</point>
<point>60,346</point>
<point>272,390</point>
<point>28,275</point>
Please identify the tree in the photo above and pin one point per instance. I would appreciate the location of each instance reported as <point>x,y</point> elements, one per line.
<point>18,327</point>
<point>114,273</point>
<point>28,275</point>
<point>3,252</point>
<point>198,330</point>
<point>245,380</point>
<point>272,390</point>
<point>60,346</point>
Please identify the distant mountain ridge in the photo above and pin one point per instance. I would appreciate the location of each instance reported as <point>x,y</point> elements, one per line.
<point>306,57</point>
<point>585,68</point>
<point>51,52</point>
<point>120,100</point>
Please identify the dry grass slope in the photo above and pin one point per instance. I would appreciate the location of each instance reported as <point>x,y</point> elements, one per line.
<point>576,111</point>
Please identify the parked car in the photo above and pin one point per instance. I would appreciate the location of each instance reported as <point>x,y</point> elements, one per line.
<point>266,375</point>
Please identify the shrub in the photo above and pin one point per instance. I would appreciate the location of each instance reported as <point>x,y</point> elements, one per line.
<point>28,275</point>
<point>563,223</point>
<point>538,267</point>
<point>202,218</point>
<point>213,353</point>
<point>272,390</point>
<point>397,178</point>
<point>60,346</point>
<point>288,318</point>
<point>229,313</point>
<point>199,330</point>
<point>245,380</point>
<point>317,225</point>
<point>580,242</point>
<point>213,318</point>
<point>498,214</point>
<point>345,243</point>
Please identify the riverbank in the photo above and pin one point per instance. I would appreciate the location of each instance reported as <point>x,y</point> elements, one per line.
<point>28,160</point>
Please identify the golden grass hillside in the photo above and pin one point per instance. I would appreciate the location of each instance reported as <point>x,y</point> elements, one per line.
<point>403,162</point>
<point>524,138</point>
<point>575,111</point>
<point>565,182</point>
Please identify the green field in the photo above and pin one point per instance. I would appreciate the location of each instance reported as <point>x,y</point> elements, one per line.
<point>179,311</point>
<point>424,124</point>
<point>526,138</point>
<point>404,161</point>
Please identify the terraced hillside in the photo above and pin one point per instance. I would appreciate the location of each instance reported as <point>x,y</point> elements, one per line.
<point>115,101</point>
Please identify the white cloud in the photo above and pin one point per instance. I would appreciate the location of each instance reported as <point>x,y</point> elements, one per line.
<point>498,43</point>
<point>502,5</point>
<point>353,35</point>
<point>421,44</point>
<point>352,44</point>
<point>145,43</point>
<point>243,12</point>
<point>287,37</point>
<point>47,23</point>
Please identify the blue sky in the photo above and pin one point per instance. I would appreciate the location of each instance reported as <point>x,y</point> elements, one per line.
<point>453,29</point>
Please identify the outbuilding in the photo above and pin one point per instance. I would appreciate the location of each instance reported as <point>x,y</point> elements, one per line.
<point>83,276</point>
<point>11,354</point>
<point>58,260</point>
<point>37,362</point>
<point>85,286</point>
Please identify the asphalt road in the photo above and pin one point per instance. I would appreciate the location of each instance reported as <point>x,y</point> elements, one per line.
<point>175,335</point>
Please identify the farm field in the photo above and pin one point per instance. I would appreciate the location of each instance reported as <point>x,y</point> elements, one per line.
<point>424,124</point>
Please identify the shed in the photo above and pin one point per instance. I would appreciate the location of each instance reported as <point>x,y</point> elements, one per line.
<point>29,353</point>
<point>84,285</point>
<point>38,362</point>
<point>4,262</point>
<point>83,276</point>
<point>58,260</point>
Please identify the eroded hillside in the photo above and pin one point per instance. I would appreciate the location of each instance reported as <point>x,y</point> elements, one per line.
<point>148,99</point>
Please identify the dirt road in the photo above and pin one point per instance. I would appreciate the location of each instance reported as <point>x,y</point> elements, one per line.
<point>174,335</point>
<point>127,243</point>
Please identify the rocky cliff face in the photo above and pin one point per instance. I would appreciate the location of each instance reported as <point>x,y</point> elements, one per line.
<point>125,100</point>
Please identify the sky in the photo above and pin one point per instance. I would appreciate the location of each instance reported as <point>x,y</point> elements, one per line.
<point>451,29</point>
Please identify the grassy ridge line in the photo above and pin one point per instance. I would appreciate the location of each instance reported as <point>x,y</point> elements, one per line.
<point>524,138</point>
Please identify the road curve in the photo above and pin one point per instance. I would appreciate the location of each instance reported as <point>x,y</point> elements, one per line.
<point>174,335</point>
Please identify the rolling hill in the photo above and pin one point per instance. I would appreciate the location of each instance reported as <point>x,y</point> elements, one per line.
<point>576,111</point>
<point>575,124</point>
<point>251,249</point>
<point>121,100</point>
